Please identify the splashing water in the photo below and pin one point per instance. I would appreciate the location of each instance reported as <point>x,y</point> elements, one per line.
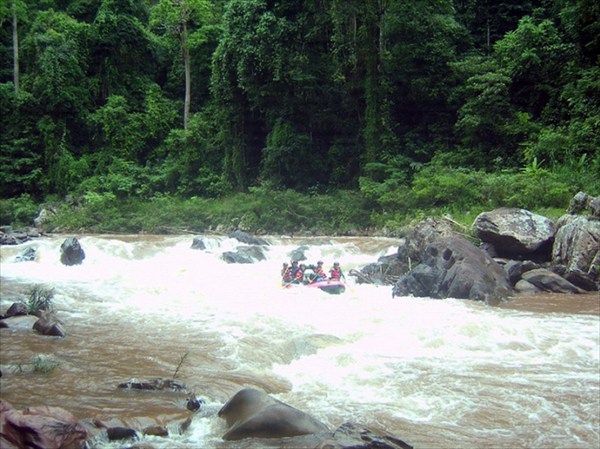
<point>435,373</point>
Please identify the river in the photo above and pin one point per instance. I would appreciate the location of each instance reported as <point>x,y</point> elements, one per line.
<point>437,374</point>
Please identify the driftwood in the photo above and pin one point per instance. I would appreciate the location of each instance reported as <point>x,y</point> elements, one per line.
<point>381,278</point>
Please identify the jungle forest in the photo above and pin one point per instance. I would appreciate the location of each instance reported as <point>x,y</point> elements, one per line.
<point>268,114</point>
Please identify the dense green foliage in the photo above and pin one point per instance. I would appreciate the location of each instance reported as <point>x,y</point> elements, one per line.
<point>271,114</point>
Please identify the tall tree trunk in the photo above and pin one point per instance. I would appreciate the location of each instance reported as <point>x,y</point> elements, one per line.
<point>371,48</point>
<point>188,77</point>
<point>15,36</point>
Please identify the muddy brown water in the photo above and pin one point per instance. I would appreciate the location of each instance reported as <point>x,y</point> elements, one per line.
<point>434,373</point>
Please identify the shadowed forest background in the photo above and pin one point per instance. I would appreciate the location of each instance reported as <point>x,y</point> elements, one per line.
<point>328,116</point>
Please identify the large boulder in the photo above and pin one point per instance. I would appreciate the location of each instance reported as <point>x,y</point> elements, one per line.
<point>244,254</point>
<point>40,427</point>
<point>388,269</point>
<point>71,252</point>
<point>515,233</point>
<point>548,281</point>
<point>577,249</point>
<point>252,413</point>
<point>453,267</point>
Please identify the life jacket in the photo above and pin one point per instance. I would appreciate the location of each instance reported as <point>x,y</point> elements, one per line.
<point>335,273</point>
<point>319,273</point>
<point>287,274</point>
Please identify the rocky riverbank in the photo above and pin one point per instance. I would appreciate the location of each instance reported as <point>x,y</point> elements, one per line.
<point>515,251</point>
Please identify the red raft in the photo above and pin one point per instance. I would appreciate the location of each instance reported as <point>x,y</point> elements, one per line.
<point>331,286</point>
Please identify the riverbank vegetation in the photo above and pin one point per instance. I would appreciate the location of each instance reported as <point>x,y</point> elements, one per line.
<point>327,117</point>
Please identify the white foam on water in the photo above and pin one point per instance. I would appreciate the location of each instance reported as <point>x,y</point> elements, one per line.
<point>357,356</point>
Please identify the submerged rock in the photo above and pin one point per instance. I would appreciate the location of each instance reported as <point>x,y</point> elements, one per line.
<point>355,436</point>
<point>49,324</point>
<point>26,256</point>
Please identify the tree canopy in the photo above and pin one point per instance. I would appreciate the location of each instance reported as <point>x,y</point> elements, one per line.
<point>207,97</point>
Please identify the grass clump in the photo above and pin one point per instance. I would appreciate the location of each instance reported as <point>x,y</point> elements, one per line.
<point>40,298</point>
<point>43,364</point>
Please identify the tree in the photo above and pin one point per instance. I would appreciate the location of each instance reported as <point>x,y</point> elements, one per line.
<point>123,61</point>
<point>581,21</point>
<point>188,21</point>
<point>535,57</point>
<point>14,9</point>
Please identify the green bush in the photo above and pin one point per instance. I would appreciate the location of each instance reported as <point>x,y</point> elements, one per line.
<point>19,211</point>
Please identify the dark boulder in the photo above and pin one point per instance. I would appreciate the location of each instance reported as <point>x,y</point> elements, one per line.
<point>516,268</point>
<point>194,404</point>
<point>251,413</point>
<point>156,431</point>
<point>121,433</point>
<point>71,252</point>
<point>452,267</point>
<point>244,254</point>
<point>156,384</point>
<point>49,324</point>
<point>198,243</point>
<point>548,281</point>
<point>16,309</point>
<point>516,233</point>
<point>523,286</point>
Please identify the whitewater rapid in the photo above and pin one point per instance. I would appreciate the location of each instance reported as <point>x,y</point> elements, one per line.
<point>435,373</point>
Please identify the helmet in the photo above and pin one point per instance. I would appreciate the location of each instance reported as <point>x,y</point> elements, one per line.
<point>294,262</point>
<point>336,264</point>
<point>320,262</point>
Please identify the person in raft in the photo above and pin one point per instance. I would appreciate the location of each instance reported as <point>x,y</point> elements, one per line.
<point>335,274</point>
<point>299,276</point>
<point>319,272</point>
<point>294,270</point>
<point>286,273</point>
